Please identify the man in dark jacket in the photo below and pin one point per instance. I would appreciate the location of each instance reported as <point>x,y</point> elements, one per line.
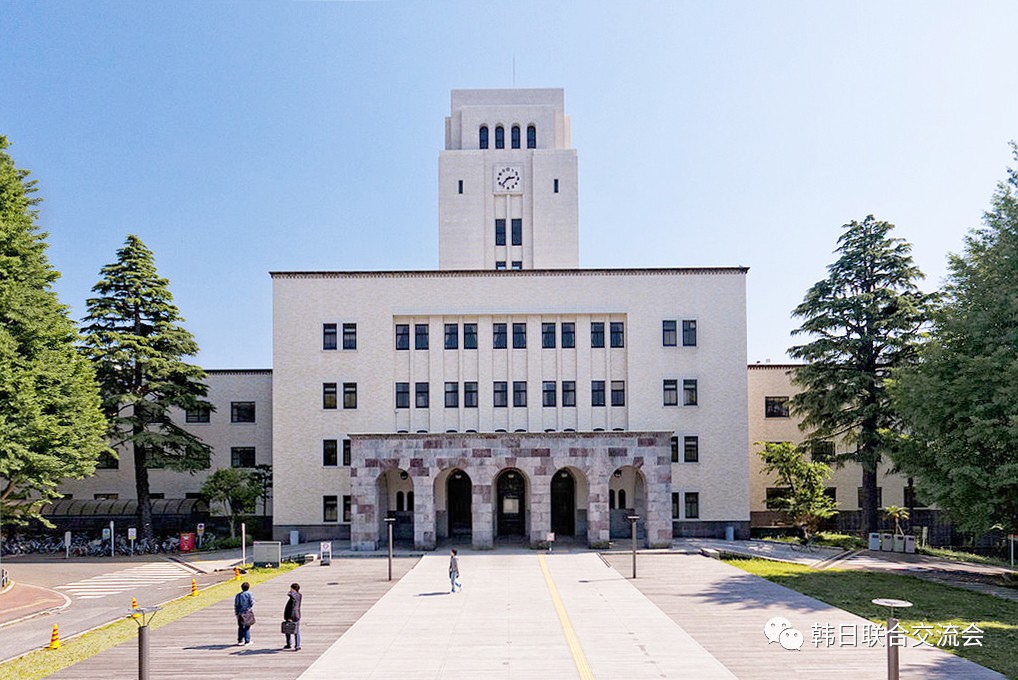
<point>291,613</point>
<point>243,606</point>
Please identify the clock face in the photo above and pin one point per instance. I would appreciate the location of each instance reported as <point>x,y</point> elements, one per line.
<point>508,180</point>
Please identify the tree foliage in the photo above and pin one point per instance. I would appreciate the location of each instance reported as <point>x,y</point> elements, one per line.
<point>863,321</point>
<point>133,335</point>
<point>236,490</point>
<point>805,500</point>
<point>51,423</point>
<point>961,402</point>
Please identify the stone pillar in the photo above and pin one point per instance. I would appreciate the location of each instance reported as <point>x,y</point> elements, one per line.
<point>598,519</point>
<point>481,516</point>
<point>424,507</point>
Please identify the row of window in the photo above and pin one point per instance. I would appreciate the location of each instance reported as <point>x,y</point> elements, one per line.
<point>911,499</point>
<point>514,137</point>
<point>500,394</point>
<point>517,265</point>
<point>330,336</point>
<point>459,186</point>
<point>240,412</point>
<point>330,395</point>
<point>517,231</point>
<point>691,502</point>
<point>330,508</point>
<point>670,333</point>
<point>500,335</point>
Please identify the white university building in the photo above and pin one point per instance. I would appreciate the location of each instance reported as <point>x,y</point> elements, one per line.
<point>507,395</point>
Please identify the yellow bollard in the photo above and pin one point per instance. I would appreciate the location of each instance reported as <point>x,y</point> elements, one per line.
<point>236,573</point>
<point>194,588</point>
<point>134,605</point>
<point>54,639</point>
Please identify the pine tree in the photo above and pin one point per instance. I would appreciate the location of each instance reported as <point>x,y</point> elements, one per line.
<point>51,422</point>
<point>134,336</point>
<point>961,402</point>
<point>864,321</point>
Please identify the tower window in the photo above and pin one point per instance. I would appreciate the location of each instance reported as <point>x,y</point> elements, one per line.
<point>459,186</point>
<point>482,138</point>
<point>499,137</point>
<point>517,231</point>
<point>499,232</point>
<point>532,140</point>
<point>421,336</point>
<point>597,334</point>
<point>500,265</point>
<point>328,336</point>
<point>517,264</point>
<point>515,136</point>
<point>555,186</point>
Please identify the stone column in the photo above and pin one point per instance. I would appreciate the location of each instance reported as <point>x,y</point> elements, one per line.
<point>481,516</point>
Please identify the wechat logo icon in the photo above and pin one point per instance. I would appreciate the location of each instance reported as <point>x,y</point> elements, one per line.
<point>780,630</point>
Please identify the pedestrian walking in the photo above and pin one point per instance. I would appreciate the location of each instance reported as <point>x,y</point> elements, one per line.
<point>291,617</point>
<point>454,571</point>
<point>243,607</point>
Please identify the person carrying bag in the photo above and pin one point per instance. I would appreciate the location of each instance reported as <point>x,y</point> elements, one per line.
<point>291,617</point>
<point>243,607</point>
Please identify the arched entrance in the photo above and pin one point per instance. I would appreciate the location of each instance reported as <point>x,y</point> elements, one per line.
<point>627,495</point>
<point>563,503</point>
<point>511,502</point>
<point>395,499</point>
<point>458,493</point>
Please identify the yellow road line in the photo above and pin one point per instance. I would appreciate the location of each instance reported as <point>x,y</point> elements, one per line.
<point>574,644</point>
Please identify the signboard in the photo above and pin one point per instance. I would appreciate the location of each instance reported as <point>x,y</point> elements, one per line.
<point>550,537</point>
<point>106,534</point>
<point>201,529</point>
<point>132,534</point>
<point>326,553</point>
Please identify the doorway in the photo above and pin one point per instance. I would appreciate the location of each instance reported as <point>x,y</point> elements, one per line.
<point>563,503</point>
<point>459,491</point>
<point>511,496</point>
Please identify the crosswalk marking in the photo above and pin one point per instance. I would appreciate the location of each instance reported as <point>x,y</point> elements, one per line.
<point>141,576</point>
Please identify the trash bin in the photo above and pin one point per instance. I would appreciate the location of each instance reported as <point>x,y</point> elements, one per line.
<point>910,544</point>
<point>294,537</point>
<point>887,542</point>
<point>874,541</point>
<point>729,533</point>
<point>899,543</point>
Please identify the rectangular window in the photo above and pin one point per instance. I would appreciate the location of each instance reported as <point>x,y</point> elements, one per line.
<point>692,505</point>
<point>555,186</point>
<point>671,392</point>
<point>470,395</point>
<point>459,186</point>
<point>402,395</point>
<point>347,508</point>
<point>500,266</point>
<point>500,394</point>
<point>568,335</point>
<point>421,395</point>
<point>514,137</point>
<point>328,336</point>
<point>329,395</point>
<point>880,496</point>
<point>548,393</point>
<point>197,415</point>
<point>452,395</point>
<point>618,334</point>
<point>822,451</point>
<point>517,227</point>
<point>517,265</point>
<point>519,336</point>
<point>775,496</point>
<point>675,505</point>
<point>106,461</point>
<point>688,333</point>
<point>330,508</point>
<point>691,449</point>
<point>242,456</point>
<point>675,449</point>
<point>347,452</point>
<point>421,336</point>
<point>498,336</point>
<point>597,334</point>
<point>689,393</point>
<point>499,232</point>
<point>569,393</point>
<point>242,412</point>
<point>597,393</point>
<point>668,336</point>
<point>548,335</point>
<point>911,497</point>
<point>519,393</point>
<point>775,407</point>
<point>402,336</point>
<point>618,392</point>
<point>452,336</point>
<point>330,452</point>
<point>470,336</point>
<point>349,395</point>
<point>349,336</point>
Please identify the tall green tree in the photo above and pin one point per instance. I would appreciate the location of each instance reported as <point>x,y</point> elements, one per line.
<point>863,321</point>
<point>961,402</point>
<point>133,335</point>
<point>805,499</point>
<point>237,491</point>
<point>51,423</point>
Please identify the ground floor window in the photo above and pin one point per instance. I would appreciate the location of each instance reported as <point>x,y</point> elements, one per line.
<point>692,505</point>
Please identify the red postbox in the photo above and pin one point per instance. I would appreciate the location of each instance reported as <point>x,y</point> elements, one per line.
<point>186,542</point>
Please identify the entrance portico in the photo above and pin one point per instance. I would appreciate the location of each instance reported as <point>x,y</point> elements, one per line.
<point>480,487</point>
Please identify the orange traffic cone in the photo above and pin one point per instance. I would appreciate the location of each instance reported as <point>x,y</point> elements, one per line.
<point>54,639</point>
<point>236,573</point>
<point>134,605</point>
<point>194,587</point>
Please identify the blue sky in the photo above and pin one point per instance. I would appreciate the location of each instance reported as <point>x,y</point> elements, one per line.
<point>242,138</point>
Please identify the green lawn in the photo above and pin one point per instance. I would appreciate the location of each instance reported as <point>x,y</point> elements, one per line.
<point>44,662</point>
<point>962,556</point>
<point>935,604</point>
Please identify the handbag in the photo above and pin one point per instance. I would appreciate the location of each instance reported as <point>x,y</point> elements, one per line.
<point>247,618</point>
<point>288,627</point>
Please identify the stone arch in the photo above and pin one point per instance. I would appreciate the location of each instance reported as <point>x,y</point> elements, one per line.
<point>569,498</point>
<point>453,494</point>
<point>510,502</point>
<point>391,485</point>
<point>630,489</point>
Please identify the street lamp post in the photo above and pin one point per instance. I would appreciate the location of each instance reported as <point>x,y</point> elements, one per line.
<point>143,616</point>
<point>892,623</point>
<point>632,521</point>
<point>389,521</point>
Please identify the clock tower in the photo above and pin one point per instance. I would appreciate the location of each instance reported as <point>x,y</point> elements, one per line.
<point>507,195</point>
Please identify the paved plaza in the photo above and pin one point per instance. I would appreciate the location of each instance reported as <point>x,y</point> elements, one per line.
<point>521,614</point>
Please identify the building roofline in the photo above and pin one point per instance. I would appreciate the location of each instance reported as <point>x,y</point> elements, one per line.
<point>483,273</point>
<point>238,371</point>
<point>585,434</point>
<point>783,367</point>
